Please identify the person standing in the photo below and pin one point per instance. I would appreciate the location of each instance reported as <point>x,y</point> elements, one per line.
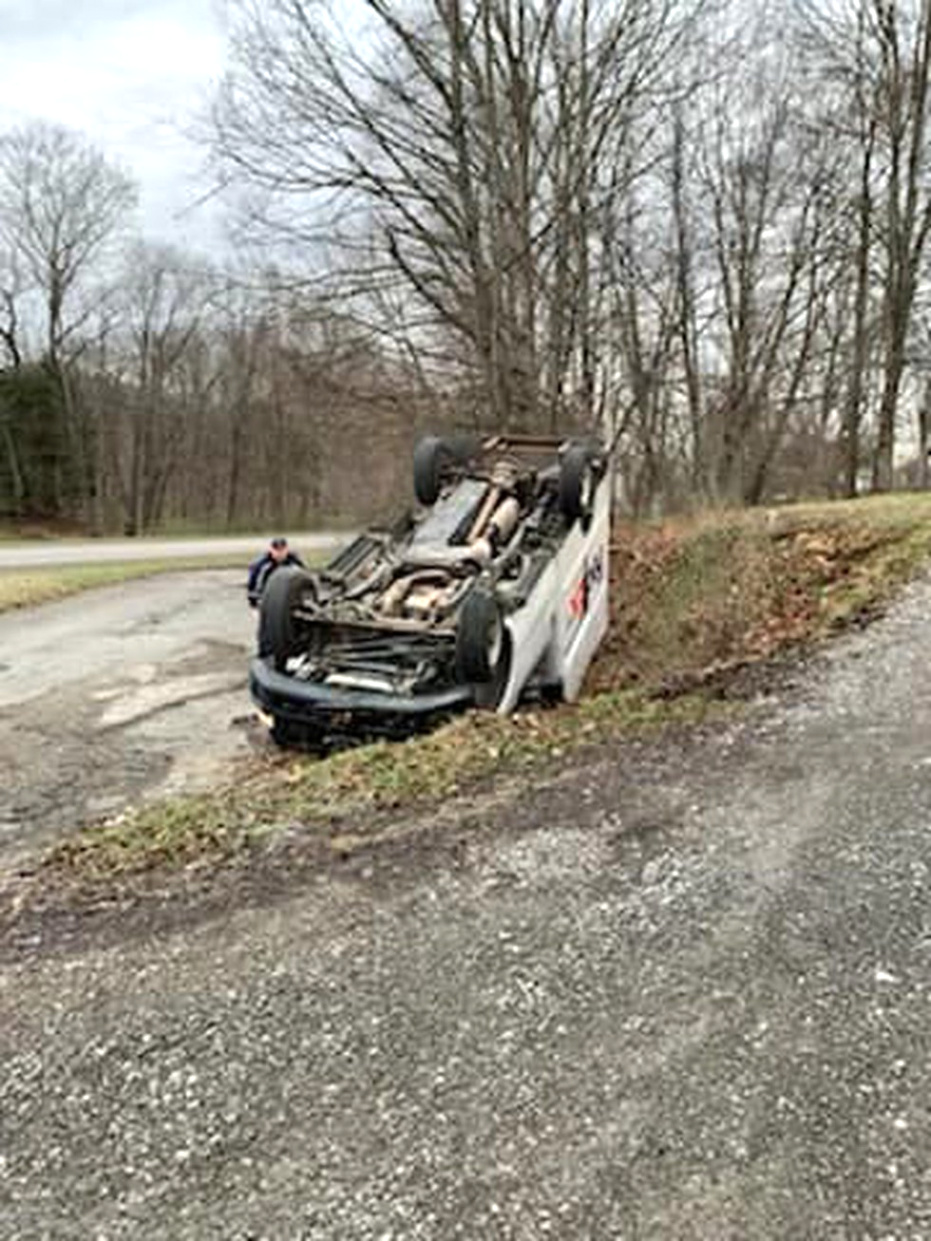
<point>277,553</point>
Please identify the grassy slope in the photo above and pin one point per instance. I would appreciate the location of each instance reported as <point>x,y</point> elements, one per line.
<point>689,598</point>
<point>732,587</point>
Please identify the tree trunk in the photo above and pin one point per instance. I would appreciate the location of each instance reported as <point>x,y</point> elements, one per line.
<point>924,428</point>
<point>16,473</point>
<point>883,461</point>
<point>853,413</point>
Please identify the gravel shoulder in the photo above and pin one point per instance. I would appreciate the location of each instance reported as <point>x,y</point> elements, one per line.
<point>680,992</point>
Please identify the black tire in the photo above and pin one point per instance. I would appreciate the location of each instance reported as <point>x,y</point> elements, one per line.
<point>481,639</point>
<point>577,483</point>
<point>463,446</point>
<point>435,459</point>
<point>278,632</point>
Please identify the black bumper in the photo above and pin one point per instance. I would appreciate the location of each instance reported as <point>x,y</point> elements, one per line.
<point>287,698</point>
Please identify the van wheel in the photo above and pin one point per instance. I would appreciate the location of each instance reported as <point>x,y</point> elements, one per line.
<point>577,483</point>
<point>481,639</point>
<point>435,462</point>
<point>432,460</point>
<point>279,633</point>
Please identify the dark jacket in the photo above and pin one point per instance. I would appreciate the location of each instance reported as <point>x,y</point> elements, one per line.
<point>261,570</point>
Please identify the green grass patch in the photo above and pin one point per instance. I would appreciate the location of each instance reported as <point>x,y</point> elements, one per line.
<point>22,588</point>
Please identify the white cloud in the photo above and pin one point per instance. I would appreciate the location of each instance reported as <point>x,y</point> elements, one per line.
<point>131,74</point>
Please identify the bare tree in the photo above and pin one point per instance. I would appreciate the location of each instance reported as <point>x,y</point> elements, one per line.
<point>879,51</point>
<point>765,212</point>
<point>61,203</point>
<point>163,303</point>
<point>11,293</point>
<point>477,142</point>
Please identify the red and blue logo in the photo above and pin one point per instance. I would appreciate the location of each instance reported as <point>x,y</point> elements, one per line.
<point>581,594</point>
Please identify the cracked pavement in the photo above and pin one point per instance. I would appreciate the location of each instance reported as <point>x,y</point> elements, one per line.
<point>116,694</point>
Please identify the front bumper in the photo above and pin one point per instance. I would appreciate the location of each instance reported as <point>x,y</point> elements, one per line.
<point>288,698</point>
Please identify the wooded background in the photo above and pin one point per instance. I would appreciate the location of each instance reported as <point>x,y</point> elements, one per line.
<point>698,227</point>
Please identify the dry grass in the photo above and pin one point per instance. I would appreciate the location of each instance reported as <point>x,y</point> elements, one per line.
<point>321,795</point>
<point>21,588</point>
<point>732,587</point>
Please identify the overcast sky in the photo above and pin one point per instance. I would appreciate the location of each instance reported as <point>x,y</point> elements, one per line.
<point>131,74</point>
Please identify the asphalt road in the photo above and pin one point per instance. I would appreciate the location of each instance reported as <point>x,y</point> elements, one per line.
<point>38,554</point>
<point>116,694</point>
<point>679,993</point>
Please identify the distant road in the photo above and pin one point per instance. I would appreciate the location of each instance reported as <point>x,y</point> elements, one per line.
<point>94,551</point>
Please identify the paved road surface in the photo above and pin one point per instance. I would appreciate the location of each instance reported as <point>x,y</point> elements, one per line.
<point>116,693</point>
<point>682,994</point>
<point>95,551</point>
